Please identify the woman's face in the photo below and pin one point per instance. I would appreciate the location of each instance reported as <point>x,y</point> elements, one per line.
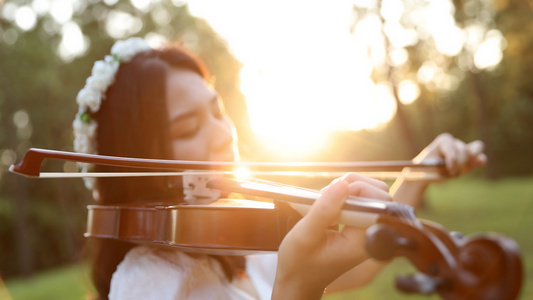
<point>199,128</point>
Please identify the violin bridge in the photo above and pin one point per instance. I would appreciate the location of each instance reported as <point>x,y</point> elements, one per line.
<point>195,188</point>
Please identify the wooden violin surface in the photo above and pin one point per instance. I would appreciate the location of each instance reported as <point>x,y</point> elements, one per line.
<point>226,227</point>
<point>483,266</point>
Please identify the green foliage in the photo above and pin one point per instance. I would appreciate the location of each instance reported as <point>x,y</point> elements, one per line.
<point>64,283</point>
<point>42,221</point>
<point>494,104</point>
<point>506,90</point>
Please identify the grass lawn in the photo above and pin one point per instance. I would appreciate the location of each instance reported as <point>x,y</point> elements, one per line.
<point>465,205</point>
<point>64,283</point>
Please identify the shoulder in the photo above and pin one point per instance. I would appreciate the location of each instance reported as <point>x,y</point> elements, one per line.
<point>162,274</point>
<point>159,257</point>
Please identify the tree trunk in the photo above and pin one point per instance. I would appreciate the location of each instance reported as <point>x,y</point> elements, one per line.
<point>400,117</point>
<point>22,232</point>
<point>483,123</point>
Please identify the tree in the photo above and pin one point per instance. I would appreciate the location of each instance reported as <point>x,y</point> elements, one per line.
<point>47,55</point>
<point>449,57</point>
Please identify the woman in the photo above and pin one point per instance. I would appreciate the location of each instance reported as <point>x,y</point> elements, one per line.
<point>157,103</point>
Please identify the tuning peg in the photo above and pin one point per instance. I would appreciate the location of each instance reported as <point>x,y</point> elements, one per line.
<point>382,242</point>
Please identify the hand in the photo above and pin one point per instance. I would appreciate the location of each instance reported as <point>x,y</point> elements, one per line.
<point>311,256</point>
<point>459,157</point>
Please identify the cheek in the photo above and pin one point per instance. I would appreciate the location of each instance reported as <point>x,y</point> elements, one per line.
<point>189,150</point>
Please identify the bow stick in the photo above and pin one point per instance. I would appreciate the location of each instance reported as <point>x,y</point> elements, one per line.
<point>30,166</point>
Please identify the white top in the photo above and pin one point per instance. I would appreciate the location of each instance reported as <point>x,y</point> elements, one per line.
<point>161,274</point>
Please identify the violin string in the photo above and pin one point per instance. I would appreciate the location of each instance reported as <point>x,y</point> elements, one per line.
<point>292,194</point>
<point>409,216</point>
<point>303,189</point>
<point>403,211</point>
<point>317,192</point>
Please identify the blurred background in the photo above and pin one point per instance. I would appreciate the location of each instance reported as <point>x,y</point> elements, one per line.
<point>303,80</point>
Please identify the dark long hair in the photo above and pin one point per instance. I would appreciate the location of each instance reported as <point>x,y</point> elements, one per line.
<point>132,122</point>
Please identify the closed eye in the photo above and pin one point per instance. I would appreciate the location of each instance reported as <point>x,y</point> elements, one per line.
<point>184,127</point>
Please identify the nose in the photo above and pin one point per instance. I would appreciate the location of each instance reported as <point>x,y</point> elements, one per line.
<point>221,139</point>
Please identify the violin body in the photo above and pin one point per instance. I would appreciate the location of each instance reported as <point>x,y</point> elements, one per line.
<point>225,227</point>
<point>453,266</point>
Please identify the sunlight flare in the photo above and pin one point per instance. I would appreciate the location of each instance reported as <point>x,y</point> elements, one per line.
<point>25,18</point>
<point>308,65</point>
<point>302,80</point>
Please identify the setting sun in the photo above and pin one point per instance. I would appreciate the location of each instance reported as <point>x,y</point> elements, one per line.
<point>303,79</point>
<point>307,65</point>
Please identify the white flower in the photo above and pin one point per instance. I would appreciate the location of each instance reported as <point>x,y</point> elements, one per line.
<point>125,50</point>
<point>100,83</point>
<point>84,144</point>
<point>106,68</point>
<point>82,128</point>
<point>89,182</point>
<point>110,59</point>
<point>103,75</point>
<point>84,167</point>
<point>89,98</point>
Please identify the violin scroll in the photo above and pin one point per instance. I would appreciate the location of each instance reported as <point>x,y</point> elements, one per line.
<point>479,267</point>
<point>383,242</point>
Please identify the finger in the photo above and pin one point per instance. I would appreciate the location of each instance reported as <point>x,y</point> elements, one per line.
<point>480,160</point>
<point>355,177</point>
<point>367,190</point>
<point>447,151</point>
<point>461,157</point>
<point>324,211</point>
<point>438,148</point>
<point>475,148</point>
<point>476,157</point>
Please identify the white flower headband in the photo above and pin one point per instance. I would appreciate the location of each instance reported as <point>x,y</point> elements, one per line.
<point>91,95</point>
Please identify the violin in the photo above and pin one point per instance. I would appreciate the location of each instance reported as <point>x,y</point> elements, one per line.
<point>483,266</point>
